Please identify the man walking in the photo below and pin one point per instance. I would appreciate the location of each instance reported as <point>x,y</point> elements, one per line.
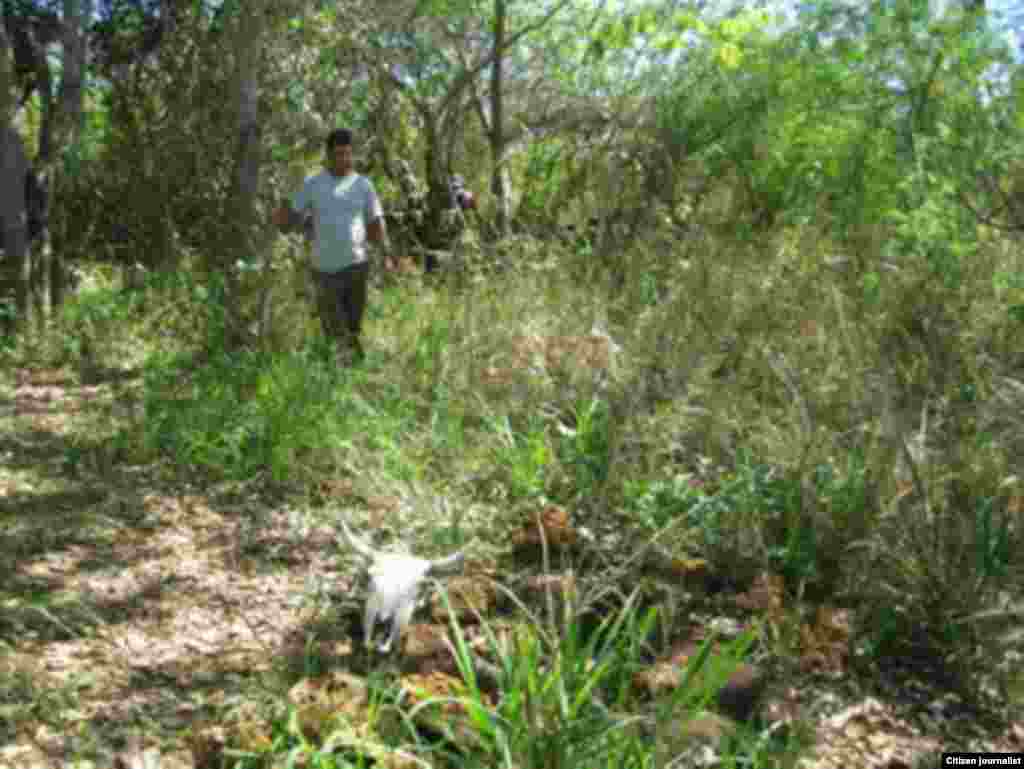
<point>346,213</point>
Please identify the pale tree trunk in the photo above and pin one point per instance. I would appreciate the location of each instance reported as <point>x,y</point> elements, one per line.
<point>60,130</point>
<point>499,173</point>
<point>243,245</point>
<point>436,161</point>
<point>69,134</point>
<point>39,248</point>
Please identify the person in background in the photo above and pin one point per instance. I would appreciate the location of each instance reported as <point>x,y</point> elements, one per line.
<point>346,214</point>
<point>464,198</point>
<point>451,222</point>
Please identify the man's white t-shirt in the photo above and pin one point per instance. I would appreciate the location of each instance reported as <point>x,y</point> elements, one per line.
<point>341,208</point>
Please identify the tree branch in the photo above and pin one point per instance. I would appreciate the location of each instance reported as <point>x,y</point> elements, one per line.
<point>463,79</point>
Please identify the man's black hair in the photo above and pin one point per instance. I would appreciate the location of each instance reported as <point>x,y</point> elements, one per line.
<point>339,137</point>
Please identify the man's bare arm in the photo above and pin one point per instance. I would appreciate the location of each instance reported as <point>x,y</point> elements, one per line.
<point>377,233</point>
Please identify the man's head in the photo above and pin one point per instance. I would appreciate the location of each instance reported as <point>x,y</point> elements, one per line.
<point>339,151</point>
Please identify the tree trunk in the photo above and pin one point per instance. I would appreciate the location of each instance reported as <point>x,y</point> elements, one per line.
<point>245,187</point>
<point>438,191</point>
<point>16,267</point>
<point>443,119</point>
<point>39,246</point>
<point>247,161</point>
<point>69,137</point>
<point>499,174</point>
<point>17,263</point>
<point>7,97</point>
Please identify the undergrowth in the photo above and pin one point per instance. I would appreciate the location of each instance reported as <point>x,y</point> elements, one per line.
<point>757,408</point>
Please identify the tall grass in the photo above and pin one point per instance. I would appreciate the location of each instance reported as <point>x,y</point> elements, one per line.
<point>567,699</point>
<point>772,407</point>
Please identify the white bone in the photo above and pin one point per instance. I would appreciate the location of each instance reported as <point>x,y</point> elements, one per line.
<point>357,544</point>
<point>394,583</point>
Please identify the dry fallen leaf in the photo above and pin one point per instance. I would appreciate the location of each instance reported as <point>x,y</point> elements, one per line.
<point>469,597</point>
<point>767,594</point>
<point>825,643</point>
<point>556,526</point>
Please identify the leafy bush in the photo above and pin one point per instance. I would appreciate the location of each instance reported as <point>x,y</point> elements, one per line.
<point>244,414</point>
<point>760,498</point>
<point>94,326</point>
<point>522,459</point>
<point>932,575</point>
<point>585,447</point>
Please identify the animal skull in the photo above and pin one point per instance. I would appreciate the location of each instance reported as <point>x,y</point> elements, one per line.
<point>394,584</point>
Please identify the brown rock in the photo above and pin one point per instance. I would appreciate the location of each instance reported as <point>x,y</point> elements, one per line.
<point>424,641</point>
<point>554,522</point>
<point>741,695</point>
<point>739,698</point>
<point>767,594</point>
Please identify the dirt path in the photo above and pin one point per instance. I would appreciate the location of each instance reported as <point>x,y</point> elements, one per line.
<point>129,609</point>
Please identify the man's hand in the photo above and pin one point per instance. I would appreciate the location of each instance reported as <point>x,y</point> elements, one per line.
<point>387,258</point>
<point>282,217</point>
<point>377,234</point>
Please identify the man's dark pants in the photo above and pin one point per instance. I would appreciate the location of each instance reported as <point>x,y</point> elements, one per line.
<point>341,299</point>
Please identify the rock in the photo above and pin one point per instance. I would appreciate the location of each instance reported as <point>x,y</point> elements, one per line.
<point>741,695</point>
<point>739,698</point>
<point>555,524</point>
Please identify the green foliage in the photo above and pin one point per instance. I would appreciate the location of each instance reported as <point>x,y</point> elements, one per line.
<point>846,493</point>
<point>1010,288</point>
<point>861,135</point>
<point>931,227</point>
<point>751,488</point>
<point>585,448</point>
<point>95,316</point>
<point>921,606</point>
<point>993,541</point>
<point>430,349</point>
<point>545,175</point>
<point>523,457</point>
<point>660,503</point>
<point>849,122</point>
<point>756,495</point>
<point>25,700</point>
<point>321,739</point>
<point>92,329</point>
<point>8,318</point>
<point>241,414</point>
<point>564,694</point>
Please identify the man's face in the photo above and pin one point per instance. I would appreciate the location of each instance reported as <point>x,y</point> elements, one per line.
<point>341,159</point>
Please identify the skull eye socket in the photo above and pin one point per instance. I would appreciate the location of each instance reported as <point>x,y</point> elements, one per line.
<point>380,633</point>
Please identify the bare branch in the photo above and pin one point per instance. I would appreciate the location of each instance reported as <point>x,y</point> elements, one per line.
<point>989,219</point>
<point>468,75</point>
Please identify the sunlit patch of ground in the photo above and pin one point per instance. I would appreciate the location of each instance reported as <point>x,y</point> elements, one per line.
<point>126,607</point>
